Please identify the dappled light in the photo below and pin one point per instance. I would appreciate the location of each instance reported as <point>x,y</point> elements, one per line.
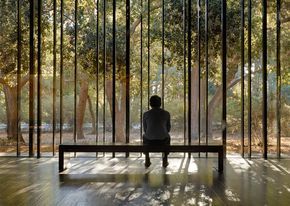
<point>239,165</point>
<point>122,165</point>
<point>125,181</point>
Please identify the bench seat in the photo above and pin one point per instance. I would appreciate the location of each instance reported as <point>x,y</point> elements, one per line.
<point>188,148</point>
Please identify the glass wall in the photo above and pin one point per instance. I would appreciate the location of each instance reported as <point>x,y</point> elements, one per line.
<point>94,64</point>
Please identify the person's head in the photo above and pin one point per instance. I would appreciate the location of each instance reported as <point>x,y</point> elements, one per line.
<point>155,101</point>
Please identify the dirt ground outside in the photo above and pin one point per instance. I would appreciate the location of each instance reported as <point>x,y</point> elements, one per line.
<point>233,142</point>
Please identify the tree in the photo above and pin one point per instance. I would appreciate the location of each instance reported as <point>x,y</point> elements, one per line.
<point>8,65</point>
<point>88,59</point>
<point>8,57</point>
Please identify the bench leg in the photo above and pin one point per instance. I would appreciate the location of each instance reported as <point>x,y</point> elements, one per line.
<point>60,160</point>
<point>220,161</point>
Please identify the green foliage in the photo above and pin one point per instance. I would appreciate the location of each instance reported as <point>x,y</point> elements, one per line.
<point>88,59</point>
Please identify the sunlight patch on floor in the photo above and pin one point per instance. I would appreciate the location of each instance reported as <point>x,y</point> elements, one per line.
<point>239,164</point>
<point>287,188</point>
<point>281,167</point>
<point>129,165</point>
<point>232,196</point>
<point>181,165</point>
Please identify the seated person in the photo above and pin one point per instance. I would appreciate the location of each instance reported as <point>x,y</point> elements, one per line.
<point>156,123</point>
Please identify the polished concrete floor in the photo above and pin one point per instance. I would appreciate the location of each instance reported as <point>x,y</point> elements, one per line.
<point>125,181</point>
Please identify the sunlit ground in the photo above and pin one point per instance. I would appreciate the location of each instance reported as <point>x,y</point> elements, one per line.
<point>233,143</point>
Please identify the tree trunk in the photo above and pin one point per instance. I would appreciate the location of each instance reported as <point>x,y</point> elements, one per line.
<point>216,99</point>
<point>202,106</point>
<point>121,112</point>
<point>120,105</point>
<point>11,112</point>
<point>81,108</point>
<point>194,103</point>
<point>211,109</point>
<point>92,115</point>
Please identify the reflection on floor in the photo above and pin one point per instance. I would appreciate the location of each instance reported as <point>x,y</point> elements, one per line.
<point>125,181</point>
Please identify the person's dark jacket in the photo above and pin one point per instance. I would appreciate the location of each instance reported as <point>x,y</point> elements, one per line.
<point>156,123</point>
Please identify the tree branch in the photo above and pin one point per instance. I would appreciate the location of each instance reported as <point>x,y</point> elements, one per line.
<point>24,80</point>
<point>285,20</point>
<point>144,12</point>
<point>236,80</point>
<point>2,81</point>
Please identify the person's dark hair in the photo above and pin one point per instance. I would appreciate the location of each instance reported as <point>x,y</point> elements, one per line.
<point>155,101</point>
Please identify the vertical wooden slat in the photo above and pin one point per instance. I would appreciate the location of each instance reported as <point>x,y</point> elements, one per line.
<point>278,76</point>
<point>264,73</point>
<point>127,70</point>
<point>198,67</point>
<point>184,69</point>
<point>104,69</point>
<point>148,48</point>
<point>141,71</point>
<point>31,79</point>
<point>163,60</point>
<point>242,5</point>
<point>114,70</point>
<point>224,74</point>
<point>54,79</point>
<point>19,61</point>
<point>189,70</point>
<point>61,71</point>
<point>206,73</point>
<point>97,75</point>
<point>39,64</point>
<point>114,77</point>
<point>75,70</point>
<point>250,78</point>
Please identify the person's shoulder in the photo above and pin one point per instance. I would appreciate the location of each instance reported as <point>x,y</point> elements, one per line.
<point>165,111</point>
<point>146,113</point>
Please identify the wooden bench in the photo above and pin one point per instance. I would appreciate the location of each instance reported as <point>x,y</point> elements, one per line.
<point>140,148</point>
